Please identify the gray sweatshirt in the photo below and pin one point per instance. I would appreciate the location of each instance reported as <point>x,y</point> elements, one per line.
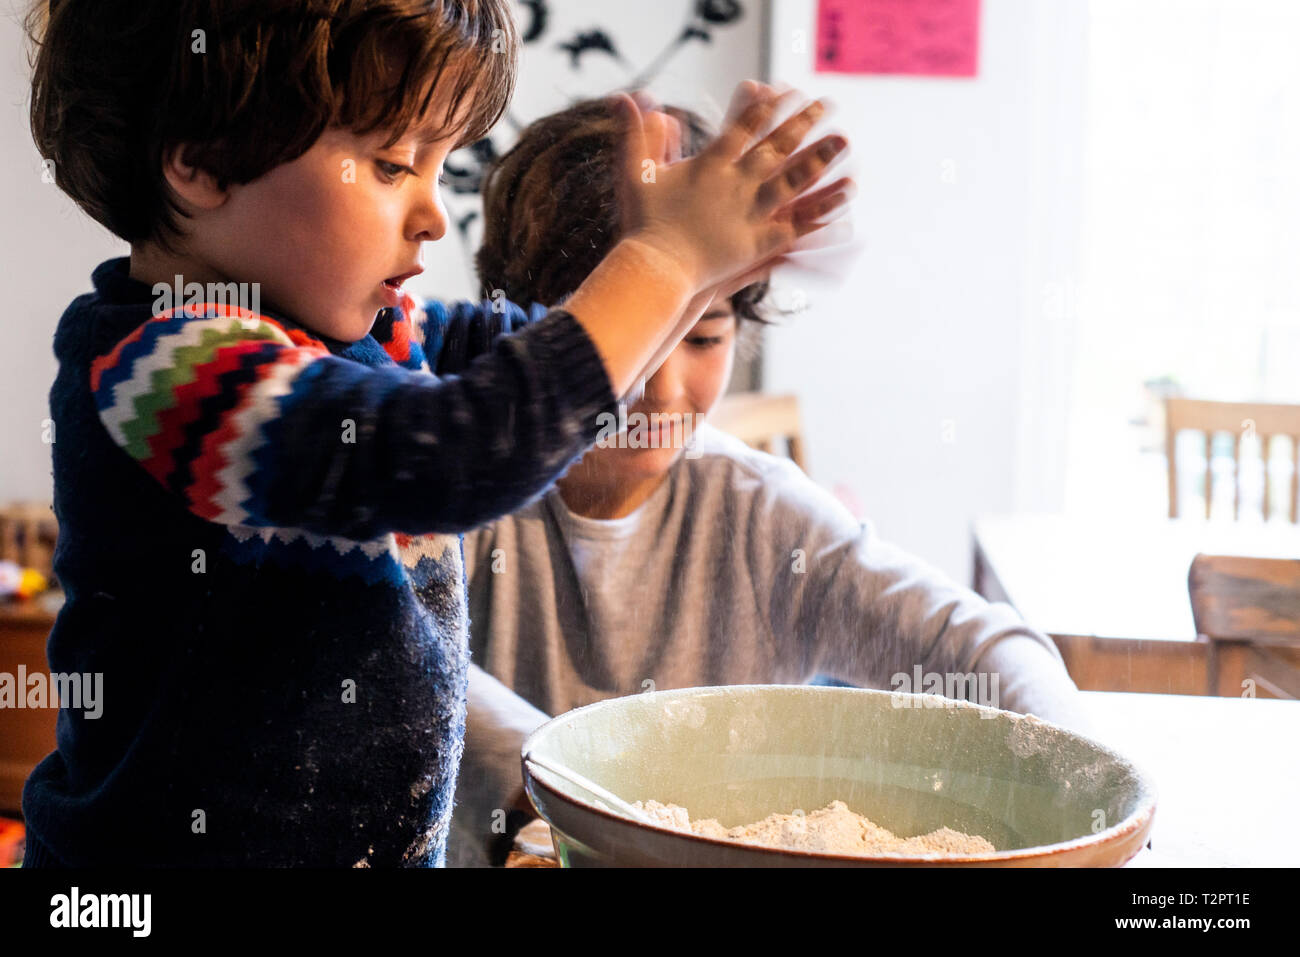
<point>739,569</point>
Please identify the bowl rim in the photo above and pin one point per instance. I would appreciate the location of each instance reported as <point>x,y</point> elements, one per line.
<point>1139,819</point>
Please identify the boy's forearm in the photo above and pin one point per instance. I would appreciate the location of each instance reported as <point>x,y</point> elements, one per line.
<point>631,306</point>
<point>497,721</point>
<point>1033,680</point>
<point>434,455</point>
<point>694,310</point>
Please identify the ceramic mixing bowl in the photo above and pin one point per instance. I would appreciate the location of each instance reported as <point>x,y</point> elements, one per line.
<point>1044,796</point>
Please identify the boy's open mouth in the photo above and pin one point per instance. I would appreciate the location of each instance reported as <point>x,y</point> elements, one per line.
<point>395,282</point>
<point>391,288</point>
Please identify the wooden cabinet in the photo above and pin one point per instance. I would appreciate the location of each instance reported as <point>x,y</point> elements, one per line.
<point>26,734</point>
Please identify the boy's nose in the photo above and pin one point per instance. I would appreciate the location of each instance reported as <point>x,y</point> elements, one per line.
<point>434,229</point>
<point>430,220</point>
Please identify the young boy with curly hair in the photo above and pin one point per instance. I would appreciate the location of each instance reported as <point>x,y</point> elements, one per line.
<point>260,508</point>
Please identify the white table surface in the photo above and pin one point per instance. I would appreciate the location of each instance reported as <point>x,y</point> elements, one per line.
<point>1226,771</point>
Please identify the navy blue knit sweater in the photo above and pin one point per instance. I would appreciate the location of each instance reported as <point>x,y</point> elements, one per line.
<point>259,543</point>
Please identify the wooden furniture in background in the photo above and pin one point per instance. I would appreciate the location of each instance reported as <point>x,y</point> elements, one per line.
<point>26,734</point>
<point>760,420</point>
<point>28,531</point>
<point>1267,422</point>
<point>1248,610</point>
<point>1112,592</point>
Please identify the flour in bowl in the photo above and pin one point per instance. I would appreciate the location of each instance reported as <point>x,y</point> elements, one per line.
<point>833,829</point>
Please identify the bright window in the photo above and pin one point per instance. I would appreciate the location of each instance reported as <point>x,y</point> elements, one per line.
<point>1191,239</point>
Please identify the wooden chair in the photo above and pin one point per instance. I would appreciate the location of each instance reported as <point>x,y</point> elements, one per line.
<point>1266,420</point>
<point>759,420</point>
<point>1248,609</point>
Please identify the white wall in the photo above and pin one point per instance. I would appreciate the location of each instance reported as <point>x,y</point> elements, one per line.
<point>934,381</point>
<point>49,249</point>
<point>698,76</point>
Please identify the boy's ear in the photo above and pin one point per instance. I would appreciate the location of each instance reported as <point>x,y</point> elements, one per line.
<point>196,187</point>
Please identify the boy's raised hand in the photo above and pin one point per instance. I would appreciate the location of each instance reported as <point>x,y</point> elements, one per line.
<point>696,229</point>
<point>738,206</point>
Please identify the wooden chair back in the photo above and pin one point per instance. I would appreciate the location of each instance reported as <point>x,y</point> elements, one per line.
<point>761,420</point>
<point>1248,609</point>
<point>1267,421</point>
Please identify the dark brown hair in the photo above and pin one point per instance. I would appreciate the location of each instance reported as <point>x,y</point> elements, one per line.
<point>551,211</point>
<point>117,83</point>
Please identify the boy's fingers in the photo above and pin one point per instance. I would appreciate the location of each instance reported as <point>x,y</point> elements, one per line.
<point>777,147</point>
<point>634,140</point>
<point>745,93</point>
<point>801,171</point>
<point>663,137</point>
<point>645,101</point>
<point>734,140</point>
<point>656,136</point>
<point>657,125</point>
<point>805,215</point>
<point>806,211</point>
<point>674,143</point>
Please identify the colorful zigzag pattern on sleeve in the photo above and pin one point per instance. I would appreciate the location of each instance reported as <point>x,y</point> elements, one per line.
<point>186,393</point>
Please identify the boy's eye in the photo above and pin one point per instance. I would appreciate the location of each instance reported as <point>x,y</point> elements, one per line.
<point>705,342</point>
<point>393,170</point>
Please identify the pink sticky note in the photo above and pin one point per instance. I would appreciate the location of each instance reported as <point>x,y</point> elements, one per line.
<point>917,37</point>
